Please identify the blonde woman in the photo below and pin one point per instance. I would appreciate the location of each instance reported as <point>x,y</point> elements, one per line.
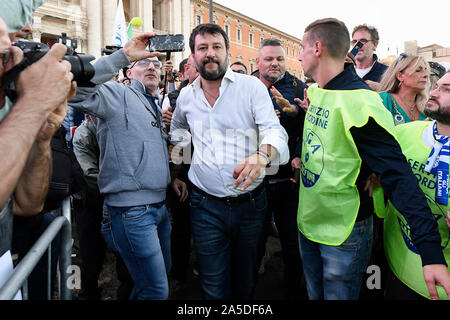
<point>404,88</point>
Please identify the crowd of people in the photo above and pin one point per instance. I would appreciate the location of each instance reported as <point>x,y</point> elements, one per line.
<point>350,165</point>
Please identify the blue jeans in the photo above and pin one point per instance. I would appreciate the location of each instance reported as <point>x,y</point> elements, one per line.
<point>141,235</point>
<point>336,273</point>
<point>226,238</point>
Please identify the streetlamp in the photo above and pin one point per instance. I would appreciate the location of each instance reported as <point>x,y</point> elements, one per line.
<point>211,14</point>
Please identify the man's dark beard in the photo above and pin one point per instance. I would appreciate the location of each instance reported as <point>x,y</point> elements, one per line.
<point>212,75</point>
<point>437,115</point>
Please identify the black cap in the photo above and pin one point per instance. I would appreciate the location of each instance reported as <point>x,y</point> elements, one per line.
<point>436,69</point>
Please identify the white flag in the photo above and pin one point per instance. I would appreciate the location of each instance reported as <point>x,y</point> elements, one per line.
<point>120,27</point>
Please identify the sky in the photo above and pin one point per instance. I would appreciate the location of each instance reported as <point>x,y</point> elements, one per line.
<point>396,20</point>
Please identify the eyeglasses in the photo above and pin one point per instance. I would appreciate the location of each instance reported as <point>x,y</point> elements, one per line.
<point>239,71</point>
<point>445,88</point>
<point>364,41</point>
<point>5,56</point>
<point>146,62</point>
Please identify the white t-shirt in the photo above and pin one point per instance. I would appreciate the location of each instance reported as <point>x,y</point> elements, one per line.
<point>362,72</point>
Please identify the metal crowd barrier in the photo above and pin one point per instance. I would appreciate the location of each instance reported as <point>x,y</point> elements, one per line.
<point>22,271</point>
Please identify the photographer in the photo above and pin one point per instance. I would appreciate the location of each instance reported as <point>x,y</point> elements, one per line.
<point>28,124</point>
<point>134,163</point>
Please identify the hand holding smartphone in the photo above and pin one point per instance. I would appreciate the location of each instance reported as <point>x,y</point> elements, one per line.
<point>356,48</point>
<point>352,54</point>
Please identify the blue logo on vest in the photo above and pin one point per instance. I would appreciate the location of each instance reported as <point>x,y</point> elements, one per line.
<point>439,216</point>
<point>312,163</point>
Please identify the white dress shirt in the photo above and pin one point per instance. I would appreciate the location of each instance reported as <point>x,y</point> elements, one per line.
<point>241,120</point>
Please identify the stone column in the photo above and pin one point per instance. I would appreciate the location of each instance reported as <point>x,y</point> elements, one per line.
<point>146,14</point>
<point>170,13</point>
<point>165,20</point>
<point>157,17</point>
<point>109,15</point>
<point>37,28</point>
<point>177,16</point>
<point>94,37</point>
<point>186,14</point>
<point>36,35</point>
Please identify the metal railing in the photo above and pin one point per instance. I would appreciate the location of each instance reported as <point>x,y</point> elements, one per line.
<point>22,271</point>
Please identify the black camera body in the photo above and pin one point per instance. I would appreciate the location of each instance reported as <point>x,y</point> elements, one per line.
<point>82,69</point>
<point>107,50</point>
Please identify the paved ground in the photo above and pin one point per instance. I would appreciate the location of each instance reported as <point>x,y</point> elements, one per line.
<point>269,285</point>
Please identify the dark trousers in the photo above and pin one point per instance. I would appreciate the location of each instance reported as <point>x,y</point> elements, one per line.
<point>88,212</point>
<point>26,232</point>
<point>226,239</point>
<point>283,202</point>
<point>397,290</point>
<point>181,235</point>
<point>378,258</point>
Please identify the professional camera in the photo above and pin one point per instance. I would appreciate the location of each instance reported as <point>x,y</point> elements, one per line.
<point>107,50</point>
<point>82,69</point>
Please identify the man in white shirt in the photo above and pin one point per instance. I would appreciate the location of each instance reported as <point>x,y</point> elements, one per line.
<point>236,134</point>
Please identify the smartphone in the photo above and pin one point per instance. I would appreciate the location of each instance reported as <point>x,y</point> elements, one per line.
<point>356,48</point>
<point>166,43</point>
<point>297,175</point>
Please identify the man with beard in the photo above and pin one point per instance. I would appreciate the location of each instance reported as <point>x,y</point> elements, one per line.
<point>427,147</point>
<point>282,192</point>
<point>134,164</point>
<point>236,135</point>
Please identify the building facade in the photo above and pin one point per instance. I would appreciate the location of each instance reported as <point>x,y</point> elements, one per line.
<point>432,52</point>
<point>246,35</point>
<point>91,22</point>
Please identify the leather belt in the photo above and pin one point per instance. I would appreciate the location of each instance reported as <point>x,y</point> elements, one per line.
<point>231,199</point>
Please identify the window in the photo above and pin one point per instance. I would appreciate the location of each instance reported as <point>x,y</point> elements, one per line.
<point>238,34</point>
<point>287,50</point>
<point>251,63</point>
<point>227,29</point>
<point>198,20</point>
<point>250,39</point>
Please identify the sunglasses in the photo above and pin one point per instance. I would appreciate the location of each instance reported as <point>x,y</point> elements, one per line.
<point>239,71</point>
<point>401,57</point>
<point>5,56</point>
<point>146,62</point>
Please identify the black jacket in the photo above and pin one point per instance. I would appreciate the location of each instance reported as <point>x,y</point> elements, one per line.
<point>377,71</point>
<point>290,87</point>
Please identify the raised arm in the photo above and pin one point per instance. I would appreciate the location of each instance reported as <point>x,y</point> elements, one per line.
<point>89,100</point>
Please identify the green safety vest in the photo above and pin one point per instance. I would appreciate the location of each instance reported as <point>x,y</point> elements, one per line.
<point>403,257</point>
<point>329,200</point>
